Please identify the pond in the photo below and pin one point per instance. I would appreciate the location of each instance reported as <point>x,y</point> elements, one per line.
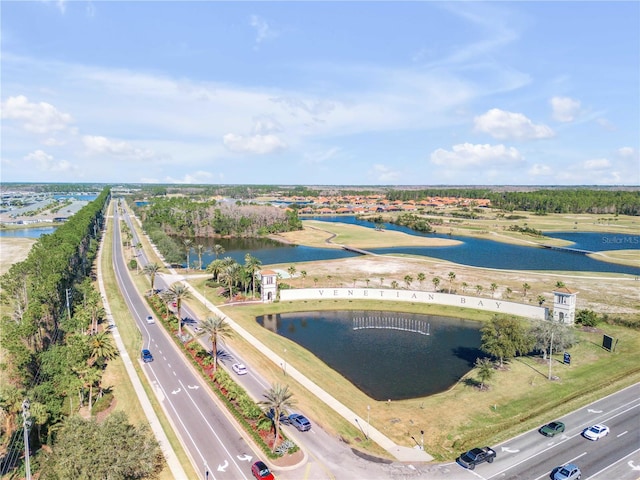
<point>387,355</point>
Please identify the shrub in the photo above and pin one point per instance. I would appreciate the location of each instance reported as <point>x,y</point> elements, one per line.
<point>588,318</point>
<point>102,403</point>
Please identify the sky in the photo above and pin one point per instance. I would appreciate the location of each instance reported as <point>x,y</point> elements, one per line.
<point>321,93</point>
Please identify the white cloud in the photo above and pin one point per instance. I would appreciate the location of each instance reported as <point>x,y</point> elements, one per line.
<point>265,124</point>
<point>626,152</point>
<point>47,163</point>
<point>37,117</point>
<point>565,109</point>
<point>539,170</point>
<point>596,164</point>
<point>263,30</point>
<point>318,157</point>
<point>256,144</point>
<point>97,145</point>
<point>468,155</point>
<point>508,125</point>
<point>194,178</point>
<point>384,174</point>
<point>54,142</point>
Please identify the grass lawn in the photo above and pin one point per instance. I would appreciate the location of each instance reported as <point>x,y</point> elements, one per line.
<point>518,398</point>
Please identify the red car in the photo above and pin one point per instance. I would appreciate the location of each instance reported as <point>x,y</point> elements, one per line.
<point>261,471</point>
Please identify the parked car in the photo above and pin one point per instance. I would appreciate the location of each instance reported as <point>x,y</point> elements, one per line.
<point>261,472</point>
<point>570,471</point>
<point>596,432</point>
<point>146,356</point>
<point>150,319</point>
<point>299,421</point>
<point>284,418</point>
<point>476,456</point>
<point>552,429</point>
<point>239,368</point>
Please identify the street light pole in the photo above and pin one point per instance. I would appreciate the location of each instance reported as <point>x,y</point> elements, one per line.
<point>422,440</point>
<point>368,417</point>
<point>284,357</point>
<point>26,424</point>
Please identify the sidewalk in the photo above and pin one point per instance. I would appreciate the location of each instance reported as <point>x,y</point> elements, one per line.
<point>170,456</point>
<point>401,453</point>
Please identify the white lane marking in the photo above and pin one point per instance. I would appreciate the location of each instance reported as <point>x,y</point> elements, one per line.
<point>623,433</point>
<point>546,474</point>
<point>630,463</point>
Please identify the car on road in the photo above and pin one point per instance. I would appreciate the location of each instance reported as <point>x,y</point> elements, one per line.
<point>239,368</point>
<point>150,319</point>
<point>596,432</point>
<point>146,356</point>
<point>261,472</point>
<point>570,471</point>
<point>284,418</point>
<point>476,456</point>
<point>299,421</point>
<point>552,429</point>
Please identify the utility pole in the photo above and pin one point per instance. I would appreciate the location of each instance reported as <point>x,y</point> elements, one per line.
<point>26,424</point>
<point>66,290</point>
<point>550,353</point>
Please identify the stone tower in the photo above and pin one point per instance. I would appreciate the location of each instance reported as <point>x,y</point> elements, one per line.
<point>269,285</point>
<point>564,305</point>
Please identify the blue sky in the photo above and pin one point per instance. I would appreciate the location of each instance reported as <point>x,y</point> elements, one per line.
<point>321,93</point>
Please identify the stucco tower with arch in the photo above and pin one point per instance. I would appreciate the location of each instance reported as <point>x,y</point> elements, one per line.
<point>564,305</point>
<point>268,285</point>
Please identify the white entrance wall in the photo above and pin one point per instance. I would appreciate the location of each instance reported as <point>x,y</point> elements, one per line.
<point>464,301</point>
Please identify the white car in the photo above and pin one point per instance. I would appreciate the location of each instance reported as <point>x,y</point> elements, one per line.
<point>596,432</point>
<point>150,319</point>
<point>239,368</point>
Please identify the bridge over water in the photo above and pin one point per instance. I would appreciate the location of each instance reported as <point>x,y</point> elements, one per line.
<point>566,249</point>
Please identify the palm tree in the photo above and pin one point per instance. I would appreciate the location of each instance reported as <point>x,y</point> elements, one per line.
<point>199,247</point>
<point>436,282</point>
<point>452,277</point>
<point>421,278</point>
<point>102,347</point>
<point>187,242</point>
<point>394,285</point>
<point>525,288</point>
<point>292,271</point>
<point>303,274</point>
<point>408,279</point>
<point>485,370</point>
<point>559,284</point>
<point>464,286</point>
<point>218,329</point>
<point>508,292</point>
<point>493,287</point>
<point>381,280</point>
<point>541,299</point>
<point>278,398</point>
<point>215,267</point>
<point>151,269</point>
<point>478,289</point>
<point>218,250</point>
<point>176,294</point>
<point>230,275</point>
<point>315,281</point>
<point>253,266</point>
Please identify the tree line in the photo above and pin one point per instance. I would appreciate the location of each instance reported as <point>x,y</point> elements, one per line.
<point>54,349</point>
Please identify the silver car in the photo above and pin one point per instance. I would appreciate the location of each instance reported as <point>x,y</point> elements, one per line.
<point>570,471</point>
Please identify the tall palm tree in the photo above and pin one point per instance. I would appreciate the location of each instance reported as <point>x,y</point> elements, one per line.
<point>230,275</point>
<point>525,288</point>
<point>253,266</point>
<point>218,329</point>
<point>151,269</point>
<point>187,242</point>
<point>177,293</point>
<point>278,398</point>
<point>493,287</point>
<point>303,274</point>
<point>199,247</point>
<point>421,278</point>
<point>408,279</point>
<point>452,277</point>
<point>291,271</point>
<point>218,250</point>
<point>215,267</point>
<point>102,347</point>
<point>436,282</point>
